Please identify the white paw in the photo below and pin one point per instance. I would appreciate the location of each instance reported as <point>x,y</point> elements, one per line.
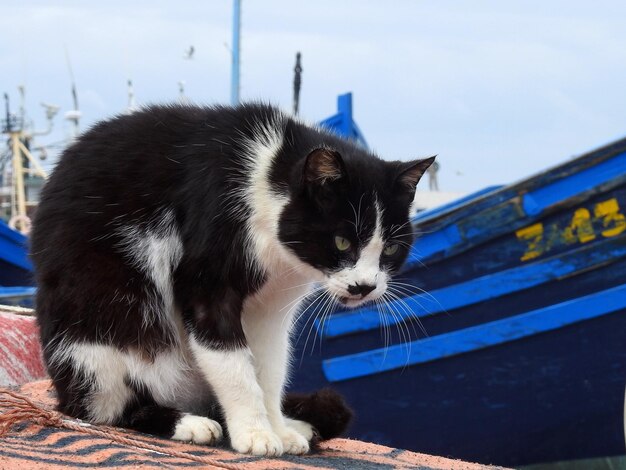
<point>197,429</point>
<point>293,441</point>
<point>304,428</point>
<point>257,441</point>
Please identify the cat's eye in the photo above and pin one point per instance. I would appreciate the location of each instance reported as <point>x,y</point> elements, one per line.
<point>391,249</point>
<point>342,244</point>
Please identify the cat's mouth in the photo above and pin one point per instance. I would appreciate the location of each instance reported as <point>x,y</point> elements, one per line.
<point>353,301</point>
<point>358,294</point>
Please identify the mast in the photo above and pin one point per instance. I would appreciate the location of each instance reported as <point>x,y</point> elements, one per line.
<point>297,82</point>
<point>74,115</point>
<point>234,74</point>
<point>18,141</point>
<point>132,106</point>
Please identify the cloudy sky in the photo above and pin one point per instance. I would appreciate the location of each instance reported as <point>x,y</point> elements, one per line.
<point>500,90</point>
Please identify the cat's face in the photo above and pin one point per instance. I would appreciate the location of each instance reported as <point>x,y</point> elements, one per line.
<point>348,218</point>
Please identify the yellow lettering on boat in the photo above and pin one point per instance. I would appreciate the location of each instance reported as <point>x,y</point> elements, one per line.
<point>613,222</point>
<point>533,236</point>
<point>607,220</point>
<point>581,226</point>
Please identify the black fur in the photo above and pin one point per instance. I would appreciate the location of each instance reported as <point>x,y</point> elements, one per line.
<point>325,409</point>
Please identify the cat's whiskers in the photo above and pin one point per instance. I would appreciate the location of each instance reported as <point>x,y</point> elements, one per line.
<point>398,317</point>
<point>340,286</point>
<point>353,224</point>
<point>316,316</point>
<point>291,270</point>
<point>404,333</point>
<point>354,212</point>
<point>399,281</point>
<point>326,313</point>
<point>306,294</point>
<point>172,160</point>
<point>414,298</point>
<point>385,326</point>
<point>394,229</point>
<point>401,242</point>
<point>387,323</point>
<point>410,314</point>
<point>299,285</point>
<point>418,291</point>
<point>299,301</point>
<point>358,217</point>
<point>418,231</point>
<point>414,257</point>
<point>320,299</point>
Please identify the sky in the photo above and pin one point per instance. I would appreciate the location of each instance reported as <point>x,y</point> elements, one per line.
<point>498,90</point>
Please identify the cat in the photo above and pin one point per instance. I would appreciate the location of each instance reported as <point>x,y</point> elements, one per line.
<point>172,247</point>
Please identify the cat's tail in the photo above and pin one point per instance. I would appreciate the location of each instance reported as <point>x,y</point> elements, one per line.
<point>325,410</point>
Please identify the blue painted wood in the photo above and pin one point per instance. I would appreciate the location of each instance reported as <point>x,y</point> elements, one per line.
<point>343,123</point>
<point>546,397</point>
<point>16,291</point>
<point>12,247</point>
<point>475,338</point>
<point>15,267</point>
<point>20,296</point>
<point>506,251</point>
<point>429,244</point>
<point>504,282</point>
<point>427,214</point>
<point>542,198</point>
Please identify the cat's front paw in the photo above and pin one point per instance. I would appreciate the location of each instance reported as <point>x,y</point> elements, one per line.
<point>197,429</point>
<point>256,441</point>
<point>293,441</point>
<point>305,429</point>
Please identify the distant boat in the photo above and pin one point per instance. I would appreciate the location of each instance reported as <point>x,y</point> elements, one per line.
<point>525,358</point>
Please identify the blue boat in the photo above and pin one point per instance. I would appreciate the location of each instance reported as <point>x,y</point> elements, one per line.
<point>16,278</point>
<point>506,344</point>
<point>15,267</point>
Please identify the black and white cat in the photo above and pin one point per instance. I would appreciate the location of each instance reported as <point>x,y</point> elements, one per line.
<point>172,247</point>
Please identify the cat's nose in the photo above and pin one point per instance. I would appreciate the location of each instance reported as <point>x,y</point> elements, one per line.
<point>362,289</point>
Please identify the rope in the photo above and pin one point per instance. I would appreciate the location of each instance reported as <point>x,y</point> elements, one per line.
<point>23,311</point>
<point>20,408</point>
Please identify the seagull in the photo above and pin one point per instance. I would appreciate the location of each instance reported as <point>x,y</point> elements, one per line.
<point>189,53</point>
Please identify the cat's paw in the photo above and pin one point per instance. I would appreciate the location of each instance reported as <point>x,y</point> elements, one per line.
<point>257,441</point>
<point>305,429</point>
<point>197,429</point>
<point>293,441</point>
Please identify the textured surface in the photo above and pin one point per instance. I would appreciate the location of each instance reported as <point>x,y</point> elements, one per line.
<point>38,447</point>
<point>20,353</point>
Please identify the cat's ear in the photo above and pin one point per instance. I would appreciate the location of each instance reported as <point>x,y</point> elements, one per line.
<point>323,177</point>
<point>323,166</point>
<point>410,174</point>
